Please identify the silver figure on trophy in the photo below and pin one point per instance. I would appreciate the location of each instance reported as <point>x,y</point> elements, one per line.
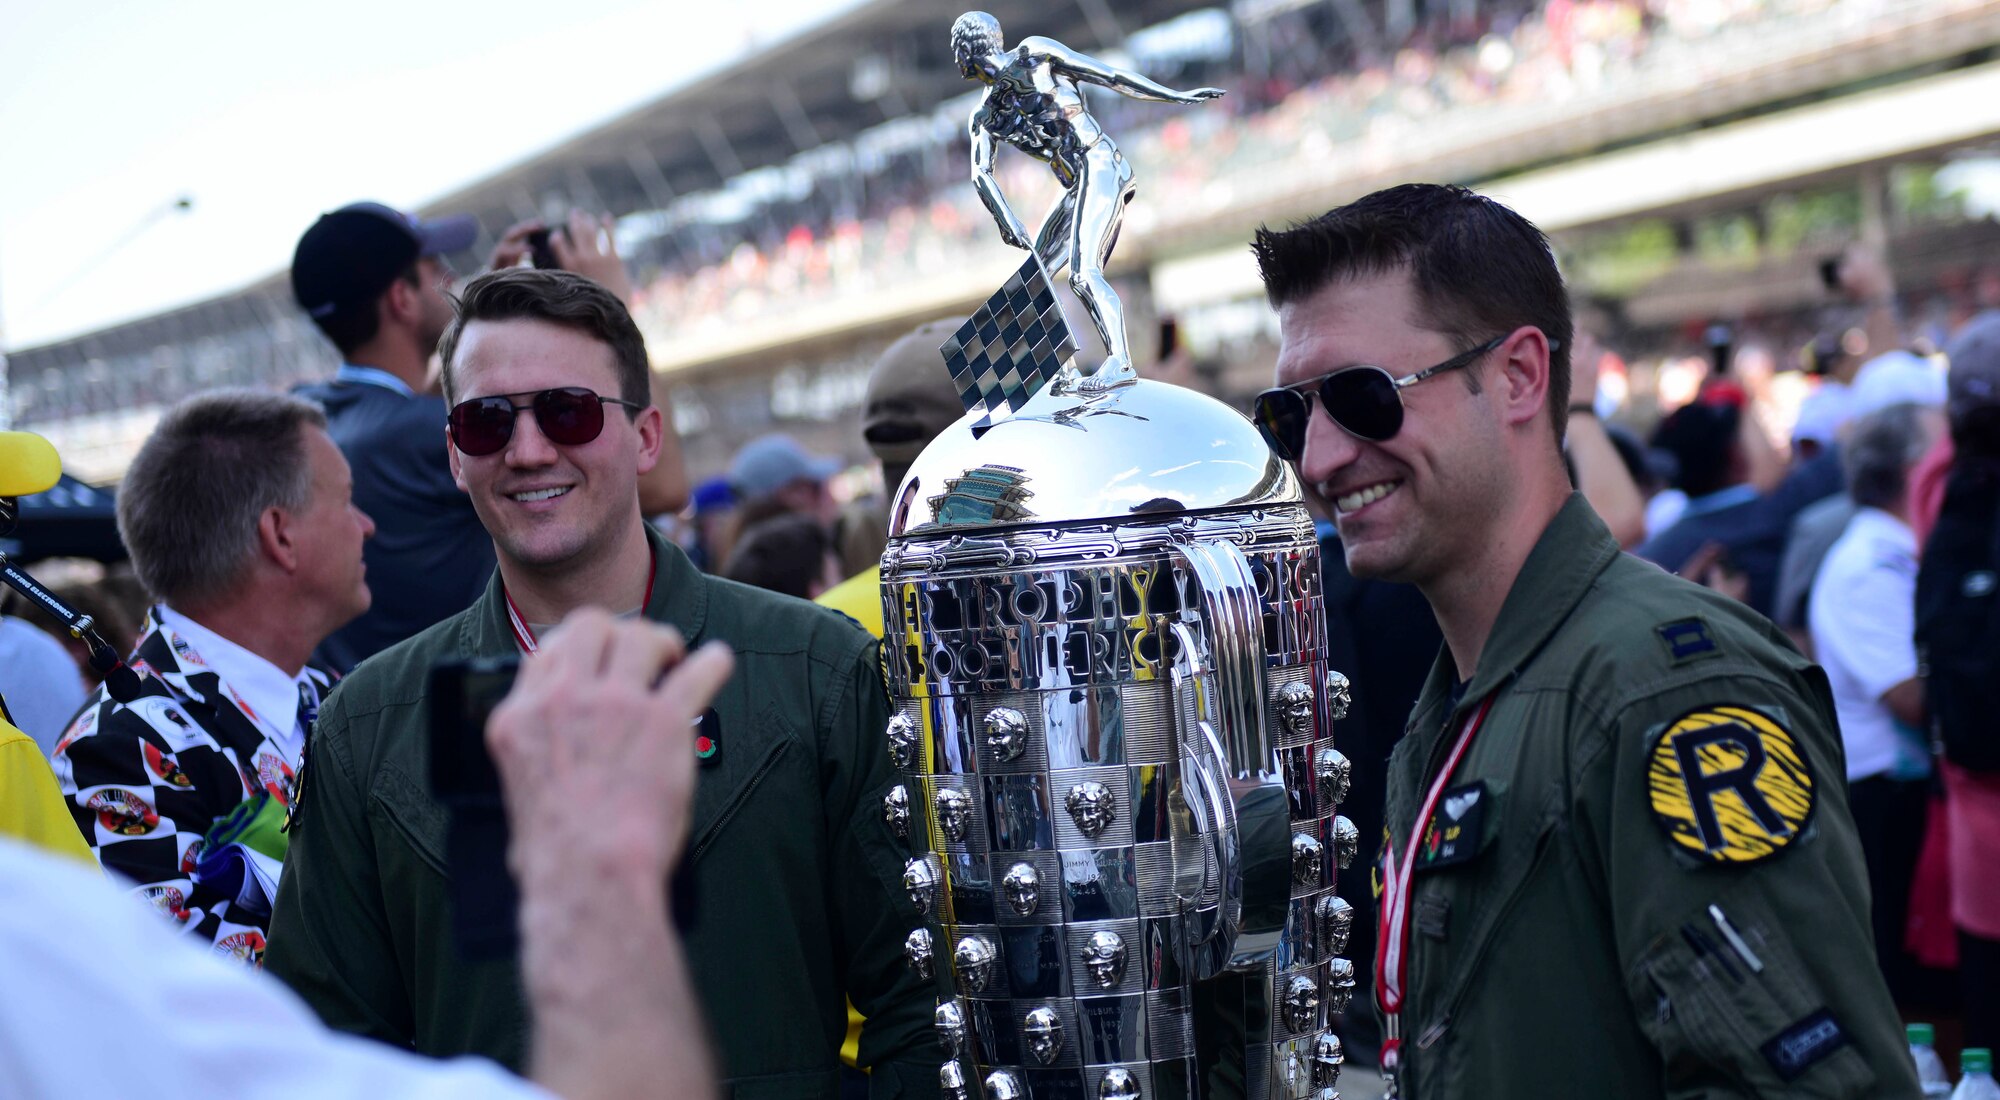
<point>1114,733</point>
<point>1032,102</point>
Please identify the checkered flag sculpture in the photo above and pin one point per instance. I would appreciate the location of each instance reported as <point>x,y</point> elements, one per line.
<point>1007,351</point>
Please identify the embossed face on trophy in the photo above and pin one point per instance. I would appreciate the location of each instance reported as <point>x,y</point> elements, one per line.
<point>1044,1031</point>
<point>903,741</point>
<point>917,952</point>
<point>1295,710</point>
<point>1327,1058</point>
<point>1091,806</point>
<point>1301,1002</point>
<point>1023,887</point>
<point>950,1022</point>
<point>896,811</point>
<point>974,958</point>
<point>954,809</point>
<point>1334,774</point>
<point>920,881</point>
<point>1006,733</point>
<point>1104,957</point>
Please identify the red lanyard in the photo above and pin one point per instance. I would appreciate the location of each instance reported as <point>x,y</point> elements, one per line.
<point>524,635</point>
<point>1392,950</point>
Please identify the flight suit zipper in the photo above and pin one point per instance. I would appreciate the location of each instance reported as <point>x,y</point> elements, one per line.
<point>1437,1029</point>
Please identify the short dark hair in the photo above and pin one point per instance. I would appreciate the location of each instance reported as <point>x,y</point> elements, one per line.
<point>560,298</point>
<point>785,554</point>
<point>1702,438</point>
<point>190,503</point>
<point>1480,269</point>
<point>351,327</point>
<point>1879,450</point>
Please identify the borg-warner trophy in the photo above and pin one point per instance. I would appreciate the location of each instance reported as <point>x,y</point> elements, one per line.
<point>1114,722</point>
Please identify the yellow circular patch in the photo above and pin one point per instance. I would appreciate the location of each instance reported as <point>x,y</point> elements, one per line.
<point>1728,784</point>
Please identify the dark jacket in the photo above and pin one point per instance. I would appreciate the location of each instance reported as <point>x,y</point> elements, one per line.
<point>1565,938</point>
<point>797,882</point>
<point>430,556</point>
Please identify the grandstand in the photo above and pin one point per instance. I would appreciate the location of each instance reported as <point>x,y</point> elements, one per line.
<point>789,214</point>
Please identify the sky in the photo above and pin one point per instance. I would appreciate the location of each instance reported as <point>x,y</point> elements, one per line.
<point>267,112</point>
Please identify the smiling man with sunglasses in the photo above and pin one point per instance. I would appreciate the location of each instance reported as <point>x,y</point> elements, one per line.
<point>796,881</point>
<point>1618,811</point>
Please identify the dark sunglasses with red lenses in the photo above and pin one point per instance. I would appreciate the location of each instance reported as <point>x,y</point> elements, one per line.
<point>1365,401</point>
<point>569,417</point>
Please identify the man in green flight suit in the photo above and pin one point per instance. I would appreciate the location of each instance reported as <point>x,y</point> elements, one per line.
<point>797,884</point>
<point>1619,861</point>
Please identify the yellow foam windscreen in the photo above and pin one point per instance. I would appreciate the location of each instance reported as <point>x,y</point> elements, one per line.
<point>28,464</point>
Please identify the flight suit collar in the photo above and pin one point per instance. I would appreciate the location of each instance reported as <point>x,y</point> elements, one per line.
<point>1572,551</point>
<point>680,599</point>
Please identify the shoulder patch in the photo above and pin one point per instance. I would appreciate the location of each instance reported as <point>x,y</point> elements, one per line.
<point>1728,784</point>
<point>1686,639</point>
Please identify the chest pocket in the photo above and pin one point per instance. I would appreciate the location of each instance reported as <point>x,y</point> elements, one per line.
<point>1462,902</point>
<point>1748,1011</point>
<point>726,781</point>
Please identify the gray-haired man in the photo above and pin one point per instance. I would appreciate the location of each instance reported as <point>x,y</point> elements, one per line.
<point>238,513</point>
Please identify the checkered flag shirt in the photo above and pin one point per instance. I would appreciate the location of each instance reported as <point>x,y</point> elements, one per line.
<point>1007,351</point>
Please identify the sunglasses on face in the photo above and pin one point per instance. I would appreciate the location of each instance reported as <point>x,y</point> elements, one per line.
<point>569,417</point>
<point>1365,401</point>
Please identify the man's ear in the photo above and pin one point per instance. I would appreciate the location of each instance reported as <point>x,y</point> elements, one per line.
<point>401,303</point>
<point>650,424</point>
<point>1523,376</point>
<point>277,540</point>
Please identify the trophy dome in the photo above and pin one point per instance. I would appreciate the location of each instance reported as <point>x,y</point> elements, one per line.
<point>1144,448</point>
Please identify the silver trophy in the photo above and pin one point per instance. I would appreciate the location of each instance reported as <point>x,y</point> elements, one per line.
<point>1114,721</point>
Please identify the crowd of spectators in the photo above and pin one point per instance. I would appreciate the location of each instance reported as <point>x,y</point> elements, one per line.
<point>902,218</point>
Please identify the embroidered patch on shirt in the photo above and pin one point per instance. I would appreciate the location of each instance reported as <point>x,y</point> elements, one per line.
<point>1455,828</point>
<point>1728,784</point>
<point>1686,639</point>
<point>1800,1046</point>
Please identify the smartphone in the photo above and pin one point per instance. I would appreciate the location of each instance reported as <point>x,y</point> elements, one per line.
<point>540,252</point>
<point>1829,274</point>
<point>463,695</point>
<point>484,897</point>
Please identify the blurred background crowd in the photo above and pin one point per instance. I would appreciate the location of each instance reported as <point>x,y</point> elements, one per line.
<point>1774,216</point>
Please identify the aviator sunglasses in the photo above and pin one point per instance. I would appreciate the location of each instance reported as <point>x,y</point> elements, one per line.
<point>570,417</point>
<point>1365,401</point>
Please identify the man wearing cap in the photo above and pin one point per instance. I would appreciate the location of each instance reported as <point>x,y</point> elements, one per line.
<point>910,400</point>
<point>773,475</point>
<point>374,280</point>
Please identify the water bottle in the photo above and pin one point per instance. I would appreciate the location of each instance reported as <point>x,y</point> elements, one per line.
<point>1930,1067</point>
<point>1975,1082</point>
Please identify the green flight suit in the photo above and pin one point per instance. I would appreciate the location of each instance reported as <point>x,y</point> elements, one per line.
<point>1653,750</point>
<point>798,881</point>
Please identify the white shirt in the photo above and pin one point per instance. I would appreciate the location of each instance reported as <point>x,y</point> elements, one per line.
<point>39,680</point>
<point>80,956</point>
<point>1863,616</point>
<point>271,693</point>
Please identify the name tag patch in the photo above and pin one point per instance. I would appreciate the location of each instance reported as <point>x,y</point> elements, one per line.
<point>1728,784</point>
<point>1456,828</point>
<point>1800,1046</point>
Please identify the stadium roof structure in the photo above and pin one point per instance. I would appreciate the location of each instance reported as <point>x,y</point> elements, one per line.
<point>877,62</point>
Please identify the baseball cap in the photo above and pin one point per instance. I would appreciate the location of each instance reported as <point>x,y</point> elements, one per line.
<point>910,397</point>
<point>771,462</point>
<point>1973,382</point>
<point>351,255</point>
<point>1895,378</point>
<point>1823,412</point>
